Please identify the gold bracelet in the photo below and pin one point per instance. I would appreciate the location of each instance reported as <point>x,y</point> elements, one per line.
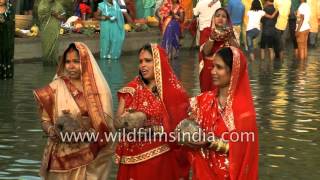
<point>224,147</point>
<point>227,148</point>
<point>212,144</point>
<point>220,144</point>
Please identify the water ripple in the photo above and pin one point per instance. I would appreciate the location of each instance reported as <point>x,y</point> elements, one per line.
<point>286,96</point>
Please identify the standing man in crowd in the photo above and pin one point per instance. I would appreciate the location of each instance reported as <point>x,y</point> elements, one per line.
<point>236,11</point>
<point>292,24</point>
<point>268,35</point>
<point>283,6</point>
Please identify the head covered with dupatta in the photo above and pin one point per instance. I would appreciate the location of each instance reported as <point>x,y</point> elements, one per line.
<point>170,90</point>
<point>228,24</point>
<point>239,117</point>
<point>95,89</point>
<point>93,102</point>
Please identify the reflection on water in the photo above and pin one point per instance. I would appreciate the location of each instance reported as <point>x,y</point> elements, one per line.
<point>286,95</point>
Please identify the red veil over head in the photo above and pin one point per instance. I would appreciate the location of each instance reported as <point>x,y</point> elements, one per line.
<point>238,125</point>
<point>172,94</point>
<point>205,62</point>
<point>240,117</point>
<point>175,100</point>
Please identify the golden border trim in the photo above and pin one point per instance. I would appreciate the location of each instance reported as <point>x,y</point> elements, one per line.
<point>143,156</point>
<point>157,68</point>
<point>228,117</point>
<point>129,90</point>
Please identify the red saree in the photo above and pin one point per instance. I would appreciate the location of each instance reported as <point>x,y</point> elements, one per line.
<point>205,63</point>
<point>155,159</point>
<point>237,117</point>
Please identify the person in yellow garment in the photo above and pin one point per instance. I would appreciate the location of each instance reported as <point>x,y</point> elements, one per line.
<point>283,6</point>
<point>313,22</point>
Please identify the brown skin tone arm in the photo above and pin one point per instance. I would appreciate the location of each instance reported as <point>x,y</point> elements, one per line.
<point>300,22</point>
<point>100,17</point>
<point>207,48</point>
<point>48,127</point>
<point>120,112</point>
<point>58,16</point>
<point>233,42</point>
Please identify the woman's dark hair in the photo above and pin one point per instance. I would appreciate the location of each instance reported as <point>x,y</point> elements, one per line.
<point>256,5</point>
<point>226,55</point>
<point>72,47</point>
<point>225,11</point>
<point>146,47</point>
<point>85,2</point>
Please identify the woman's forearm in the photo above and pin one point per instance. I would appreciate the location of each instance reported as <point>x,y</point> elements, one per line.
<point>100,17</point>
<point>207,48</point>
<point>219,145</point>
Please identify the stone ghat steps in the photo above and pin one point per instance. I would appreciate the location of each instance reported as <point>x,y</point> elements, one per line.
<point>29,49</point>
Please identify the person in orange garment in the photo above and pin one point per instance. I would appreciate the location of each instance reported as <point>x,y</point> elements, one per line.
<point>187,5</point>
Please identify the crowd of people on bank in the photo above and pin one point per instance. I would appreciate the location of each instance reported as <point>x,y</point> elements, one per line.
<point>268,20</point>
<point>250,24</point>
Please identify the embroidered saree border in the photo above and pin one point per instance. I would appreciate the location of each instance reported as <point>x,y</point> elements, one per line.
<point>143,156</point>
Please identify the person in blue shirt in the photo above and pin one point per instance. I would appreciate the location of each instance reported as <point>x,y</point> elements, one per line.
<point>236,11</point>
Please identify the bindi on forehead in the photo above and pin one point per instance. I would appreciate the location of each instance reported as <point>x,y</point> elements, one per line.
<point>72,53</point>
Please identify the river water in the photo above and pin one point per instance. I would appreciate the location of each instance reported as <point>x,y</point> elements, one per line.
<point>286,95</point>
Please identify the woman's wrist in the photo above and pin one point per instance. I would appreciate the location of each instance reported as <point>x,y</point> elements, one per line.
<point>102,18</point>
<point>51,131</point>
<point>210,39</point>
<point>219,145</point>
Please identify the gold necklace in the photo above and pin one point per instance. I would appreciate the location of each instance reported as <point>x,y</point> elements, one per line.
<point>221,106</point>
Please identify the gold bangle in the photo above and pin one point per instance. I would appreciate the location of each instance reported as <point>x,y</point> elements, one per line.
<point>227,148</point>
<point>224,147</point>
<point>220,144</point>
<point>212,144</point>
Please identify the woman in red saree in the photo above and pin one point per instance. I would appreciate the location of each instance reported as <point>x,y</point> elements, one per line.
<point>79,91</point>
<point>220,34</point>
<point>157,93</point>
<point>227,112</point>
<point>172,19</point>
